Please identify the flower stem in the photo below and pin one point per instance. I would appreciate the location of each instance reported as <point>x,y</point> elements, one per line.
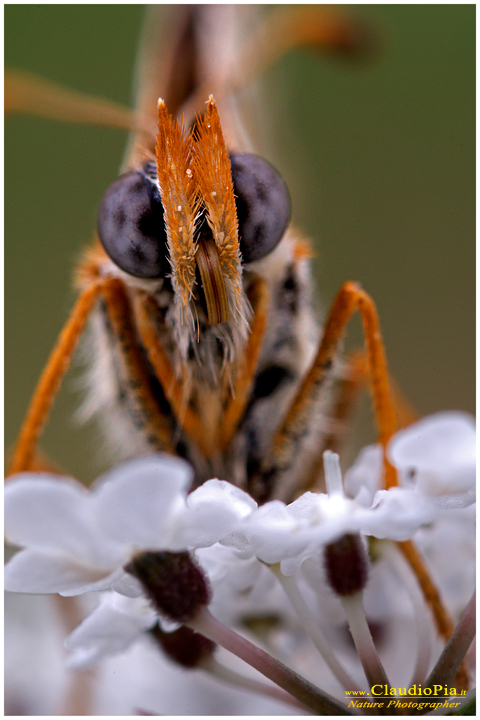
<point>314,699</point>
<point>226,674</point>
<point>456,648</point>
<point>313,631</point>
<point>362,638</point>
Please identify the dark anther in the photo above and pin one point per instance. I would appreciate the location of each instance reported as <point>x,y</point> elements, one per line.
<point>183,646</point>
<point>174,583</point>
<point>347,565</point>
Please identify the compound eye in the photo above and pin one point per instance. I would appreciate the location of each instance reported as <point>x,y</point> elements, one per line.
<point>131,227</point>
<point>263,205</point>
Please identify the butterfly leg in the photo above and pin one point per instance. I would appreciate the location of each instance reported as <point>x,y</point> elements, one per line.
<point>132,369</point>
<point>289,439</point>
<point>50,380</point>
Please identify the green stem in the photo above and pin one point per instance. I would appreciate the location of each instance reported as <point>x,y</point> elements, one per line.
<point>455,650</point>
<point>314,699</point>
<point>314,632</point>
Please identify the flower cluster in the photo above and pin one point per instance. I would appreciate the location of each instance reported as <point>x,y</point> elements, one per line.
<point>75,541</point>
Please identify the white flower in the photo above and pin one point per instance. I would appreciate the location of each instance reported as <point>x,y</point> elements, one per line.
<point>435,458</point>
<point>78,540</point>
<point>436,462</point>
<point>437,455</point>
<point>289,534</point>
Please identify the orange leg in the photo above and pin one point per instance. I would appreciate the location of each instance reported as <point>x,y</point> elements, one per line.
<point>346,393</point>
<point>406,413</point>
<point>50,380</point>
<point>295,427</point>
<point>136,379</point>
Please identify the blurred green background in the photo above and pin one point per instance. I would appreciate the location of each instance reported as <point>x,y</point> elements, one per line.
<point>379,159</point>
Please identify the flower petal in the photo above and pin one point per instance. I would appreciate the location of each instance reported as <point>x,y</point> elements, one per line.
<point>35,572</point>
<point>273,533</point>
<point>213,510</point>
<point>128,586</point>
<point>397,514</point>
<point>438,453</point>
<point>363,479</point>
<point>136,502</point>
<point>108,630</point>
<point>55,514</point>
